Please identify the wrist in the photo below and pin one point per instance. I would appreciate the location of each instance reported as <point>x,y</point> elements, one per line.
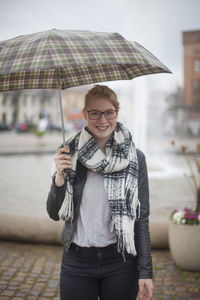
<point>59,179</point>
<point>59,173</point>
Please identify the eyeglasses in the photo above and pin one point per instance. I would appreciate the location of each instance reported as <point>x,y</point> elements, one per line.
<point>96,114</point>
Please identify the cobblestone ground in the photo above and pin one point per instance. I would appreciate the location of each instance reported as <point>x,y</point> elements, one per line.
<point>30,271</point>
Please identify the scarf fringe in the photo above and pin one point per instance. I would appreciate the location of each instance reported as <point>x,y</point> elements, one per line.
<point>124,227</point>
<point>66,212</point>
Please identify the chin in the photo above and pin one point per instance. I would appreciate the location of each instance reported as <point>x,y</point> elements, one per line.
<point>103,135</point>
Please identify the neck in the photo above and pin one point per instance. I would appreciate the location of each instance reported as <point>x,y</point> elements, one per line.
<point>102,143</point>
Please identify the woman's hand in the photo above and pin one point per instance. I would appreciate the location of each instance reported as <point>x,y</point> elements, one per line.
<point>145,289</point>
<point>62,161</point>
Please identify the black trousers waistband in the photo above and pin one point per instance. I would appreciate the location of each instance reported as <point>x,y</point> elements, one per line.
<point>107,252</point>
<point>89,249</point>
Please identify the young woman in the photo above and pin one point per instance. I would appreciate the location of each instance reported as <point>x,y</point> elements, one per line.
<point>100,190</point>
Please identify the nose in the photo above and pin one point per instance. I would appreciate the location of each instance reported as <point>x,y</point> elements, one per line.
<point>102,118</point>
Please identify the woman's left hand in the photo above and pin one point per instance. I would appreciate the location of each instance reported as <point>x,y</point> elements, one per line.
<point>145,289</point>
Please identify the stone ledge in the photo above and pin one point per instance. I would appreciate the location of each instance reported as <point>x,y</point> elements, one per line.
<point>44,230</point>
<point>159,234</point>
<point>30,229</point>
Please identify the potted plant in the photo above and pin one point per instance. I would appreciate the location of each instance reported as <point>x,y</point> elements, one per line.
<point>184,223</point>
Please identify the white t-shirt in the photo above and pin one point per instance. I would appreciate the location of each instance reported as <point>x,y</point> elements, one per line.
<point>93,225</point>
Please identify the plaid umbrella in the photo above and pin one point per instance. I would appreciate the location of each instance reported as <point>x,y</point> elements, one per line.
<point>66,58</point>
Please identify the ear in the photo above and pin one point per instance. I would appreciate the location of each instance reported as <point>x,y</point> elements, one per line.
<point>85,114</point>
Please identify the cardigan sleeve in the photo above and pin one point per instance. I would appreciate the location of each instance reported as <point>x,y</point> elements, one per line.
<point>142,234</point>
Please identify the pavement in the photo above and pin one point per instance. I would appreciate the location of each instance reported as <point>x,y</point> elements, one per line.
<point>31,271</point>
<point>12,143</point>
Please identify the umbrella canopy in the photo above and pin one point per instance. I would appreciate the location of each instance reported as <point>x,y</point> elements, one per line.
<point>67,58</point>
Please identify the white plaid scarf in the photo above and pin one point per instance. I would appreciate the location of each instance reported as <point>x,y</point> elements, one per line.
<point>120,168</point>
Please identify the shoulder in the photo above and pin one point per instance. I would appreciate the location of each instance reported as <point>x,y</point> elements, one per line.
<point>71,141</point>
<point>141,160</point>
<point>140,156</point>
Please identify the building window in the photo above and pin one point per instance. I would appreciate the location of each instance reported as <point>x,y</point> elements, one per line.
<point>33,100</point>
<point>4,117</point>
<point>197,66</point>
<point>196,87</point>
<point>25,101</point>
<point>4,100</point>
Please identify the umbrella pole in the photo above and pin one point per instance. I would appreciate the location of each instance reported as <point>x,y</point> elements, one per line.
<point>61,113</point>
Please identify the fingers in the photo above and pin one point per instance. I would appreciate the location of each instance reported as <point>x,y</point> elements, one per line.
<point>64,149</point>
<point>150,294</point>
<point>67,148</point>
<point>149,288</point>
<point>145,289</point>
<point>62,160</point>
<point>141,290</point>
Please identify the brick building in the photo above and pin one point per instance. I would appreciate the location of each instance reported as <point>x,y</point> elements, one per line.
<point>191,91</point>
<point>183,116</point>
<point>191,42</point>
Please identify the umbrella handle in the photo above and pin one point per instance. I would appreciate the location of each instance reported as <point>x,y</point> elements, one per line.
<point>67,171</point>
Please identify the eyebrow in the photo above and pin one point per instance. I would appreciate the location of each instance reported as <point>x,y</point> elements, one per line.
<point>101,110</point>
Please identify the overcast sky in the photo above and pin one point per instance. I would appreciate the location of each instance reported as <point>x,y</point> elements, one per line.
<point>156,24</point>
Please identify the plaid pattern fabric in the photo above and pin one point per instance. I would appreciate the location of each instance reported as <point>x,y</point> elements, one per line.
<point>67,58</point>
<point>120,168</point>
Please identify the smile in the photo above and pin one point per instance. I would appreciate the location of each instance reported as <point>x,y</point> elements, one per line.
<point>102,127</point>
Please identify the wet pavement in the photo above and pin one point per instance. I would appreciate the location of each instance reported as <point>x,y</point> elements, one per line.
<point>31,271</point>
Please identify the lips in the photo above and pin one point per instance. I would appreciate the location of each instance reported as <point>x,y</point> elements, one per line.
<point>102,128</point>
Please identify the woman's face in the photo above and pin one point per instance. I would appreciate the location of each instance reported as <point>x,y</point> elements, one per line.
<point>101,128</point>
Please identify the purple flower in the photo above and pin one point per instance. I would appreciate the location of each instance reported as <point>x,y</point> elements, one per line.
<point>186,216</point>
<point>191,216</point>
<point>186,209</point>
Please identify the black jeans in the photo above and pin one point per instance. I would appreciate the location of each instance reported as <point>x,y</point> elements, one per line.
<point>89,273</point>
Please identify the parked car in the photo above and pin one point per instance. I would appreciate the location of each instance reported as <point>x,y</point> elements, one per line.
<point>21,127</point>
<point>24,127</point>
<point>4,127</point>
<point>53,127</point>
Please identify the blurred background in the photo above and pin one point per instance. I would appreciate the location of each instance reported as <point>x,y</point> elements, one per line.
<point>158,108</point>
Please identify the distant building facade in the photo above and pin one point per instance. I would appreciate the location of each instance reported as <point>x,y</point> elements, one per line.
<point>190,111</point>
<point>183,115</point>
<point>191,42</point>
<point>31,105</point>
